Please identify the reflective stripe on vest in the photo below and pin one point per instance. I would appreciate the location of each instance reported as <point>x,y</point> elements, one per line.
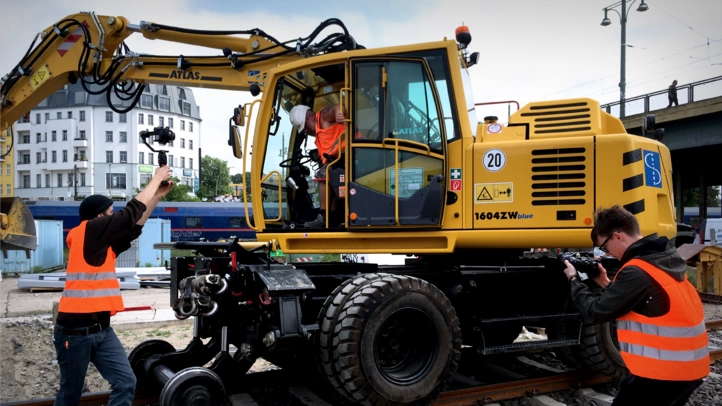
<point>89,289</point>
<point>662,331</point>
<point>670,347</point>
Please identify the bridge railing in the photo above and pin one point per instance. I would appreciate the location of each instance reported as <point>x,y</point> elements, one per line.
<point>687,93</point>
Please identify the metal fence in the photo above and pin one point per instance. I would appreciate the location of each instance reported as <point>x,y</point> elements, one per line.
<point>688,93</point>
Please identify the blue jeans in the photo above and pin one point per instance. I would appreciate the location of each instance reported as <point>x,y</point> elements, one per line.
<point>106,352</point>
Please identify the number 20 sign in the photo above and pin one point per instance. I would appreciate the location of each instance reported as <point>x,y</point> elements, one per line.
<point>494,160</point>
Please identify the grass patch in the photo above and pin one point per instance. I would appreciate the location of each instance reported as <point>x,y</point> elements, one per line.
<point>692,276</point>
<point>156,332</point>
<point>181,253</point>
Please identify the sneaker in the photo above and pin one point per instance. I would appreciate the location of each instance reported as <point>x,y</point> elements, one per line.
<point>318,223</point>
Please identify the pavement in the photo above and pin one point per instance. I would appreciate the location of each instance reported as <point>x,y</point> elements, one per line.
<point>16,303</point>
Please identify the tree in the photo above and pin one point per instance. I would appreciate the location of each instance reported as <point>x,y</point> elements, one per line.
<point>215,180</point>
<point>179,193</point>
<point>690,197</point>
<point>237,178</point>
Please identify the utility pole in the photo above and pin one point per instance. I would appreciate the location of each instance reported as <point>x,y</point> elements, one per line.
<point>75,179</point>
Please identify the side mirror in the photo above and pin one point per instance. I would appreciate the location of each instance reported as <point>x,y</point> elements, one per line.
<point>473,59</point>
<point>239,116</point>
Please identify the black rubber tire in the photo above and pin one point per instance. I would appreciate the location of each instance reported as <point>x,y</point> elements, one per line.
<point>327,320</point>
<point>598,351</point>
<point>357,338</point>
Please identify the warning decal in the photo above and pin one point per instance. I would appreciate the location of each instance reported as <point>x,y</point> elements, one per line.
<point>494,192</point>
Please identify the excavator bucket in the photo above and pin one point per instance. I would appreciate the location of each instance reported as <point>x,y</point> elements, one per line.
<point>17,226</point>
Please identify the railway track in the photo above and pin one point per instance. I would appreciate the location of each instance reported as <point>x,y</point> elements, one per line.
<point>710,298</point>
<point>485,393</point>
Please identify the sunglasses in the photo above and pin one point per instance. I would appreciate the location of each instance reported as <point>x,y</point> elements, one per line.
<point>602,247</point>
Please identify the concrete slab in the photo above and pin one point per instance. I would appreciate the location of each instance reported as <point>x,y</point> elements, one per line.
<point>242,399</point>
<point>544,400</point>
<point>590,394</point>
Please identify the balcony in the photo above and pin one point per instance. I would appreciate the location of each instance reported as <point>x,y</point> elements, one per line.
<point>81,164</point>
<point>80,142</point>
<point>42,164</point>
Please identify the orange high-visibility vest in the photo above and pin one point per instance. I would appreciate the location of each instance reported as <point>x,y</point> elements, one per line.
<point>328,140</point>
<point>672,347</point>
<point>89,289</point>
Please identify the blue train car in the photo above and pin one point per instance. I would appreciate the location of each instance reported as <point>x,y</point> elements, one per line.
<point>691,215</point>
<point>190,221</point>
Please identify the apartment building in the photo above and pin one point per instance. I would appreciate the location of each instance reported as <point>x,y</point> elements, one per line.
<point>74,145</point>
<point>7,171</point>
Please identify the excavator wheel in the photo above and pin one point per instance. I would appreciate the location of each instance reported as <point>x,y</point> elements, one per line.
<point>599,350</point>
<point>328,319</point>
<point>397,341</point>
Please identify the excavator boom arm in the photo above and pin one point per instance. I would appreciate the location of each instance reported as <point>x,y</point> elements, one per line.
<point>90,48</point>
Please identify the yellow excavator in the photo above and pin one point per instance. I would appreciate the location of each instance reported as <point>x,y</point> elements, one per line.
<point>464,198</point>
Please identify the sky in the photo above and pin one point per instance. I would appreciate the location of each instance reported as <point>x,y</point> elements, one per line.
<point>530,50</point>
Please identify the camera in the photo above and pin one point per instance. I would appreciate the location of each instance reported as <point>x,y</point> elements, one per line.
<point>161,135</point>
<point>582,262</point>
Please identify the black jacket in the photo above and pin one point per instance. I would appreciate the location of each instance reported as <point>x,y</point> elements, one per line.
<point>633,289</point>
<point>116,231</point>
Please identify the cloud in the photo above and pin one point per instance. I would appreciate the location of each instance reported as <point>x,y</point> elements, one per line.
<point>530,50</point>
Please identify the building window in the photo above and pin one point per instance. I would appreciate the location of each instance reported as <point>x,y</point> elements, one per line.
<point>70,114</point>
<point>150,159</point>
<point>194,222</point>
<point>170,122</point>
<point>82,115</point>
<point>59,115</point>
<point>8,190</point>
<point>82,179</point>
<point>26,181</point>
<point>47,180</point>
<point>141,158</point>
<point>7,169</point>
<point>108,116</point>
<point>161,121</point>
<point>54,157</point>
<point>79,98</point>
<point>123,136</point>
<point>123,157</point>
<point>182,162</point>
<point>38,137</point>
<point>25,139</point>
<point>150,119</point>
<point>183,142</point>
<point>37,118</point>
<point>108,157</point>
<point>170,161</point>
<point>122,118</point>
<point>26,158</point>
<point>82,155</point>
<point>65,135</point>
<point>171,143</point>
<point>146,101</point>
<point>60,180</point>
<point>181,94</point>
<point>190,144</point>
<point>82,135</point>
<point>183,125</point>
<point>70,179</point>
<point>140,118</point>
<point>37,157</point>
<point>164,90</point>
<point>65,155</point>
<point>145,178</point>
<point>47,117</point>
<point>54,136</point>
<point>186,109</point>
<point>115,181</point>
<point>38,179</point>
<point>108,136</point>
<point>190,126</point>
<point>190,163</point>
<point>164,103</point>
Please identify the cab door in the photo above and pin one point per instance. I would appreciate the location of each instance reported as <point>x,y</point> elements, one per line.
<point>398,152</point>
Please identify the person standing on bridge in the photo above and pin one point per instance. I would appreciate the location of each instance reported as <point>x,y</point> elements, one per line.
<point>660,318</point>
<point>672,94</point>
<point>82,332</point>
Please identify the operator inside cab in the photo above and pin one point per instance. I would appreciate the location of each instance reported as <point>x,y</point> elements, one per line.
<point>327,126</point>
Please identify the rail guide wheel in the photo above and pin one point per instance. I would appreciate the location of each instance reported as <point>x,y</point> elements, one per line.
<point>140,354</point>
<point>194,386</point>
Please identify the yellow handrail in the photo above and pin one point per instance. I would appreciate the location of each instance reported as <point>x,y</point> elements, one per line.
<point>280,194</point>
<point>398,141</point>
<point>249,110</point>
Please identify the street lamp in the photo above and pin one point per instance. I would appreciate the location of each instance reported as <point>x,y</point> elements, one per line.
<point>623,21</point>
